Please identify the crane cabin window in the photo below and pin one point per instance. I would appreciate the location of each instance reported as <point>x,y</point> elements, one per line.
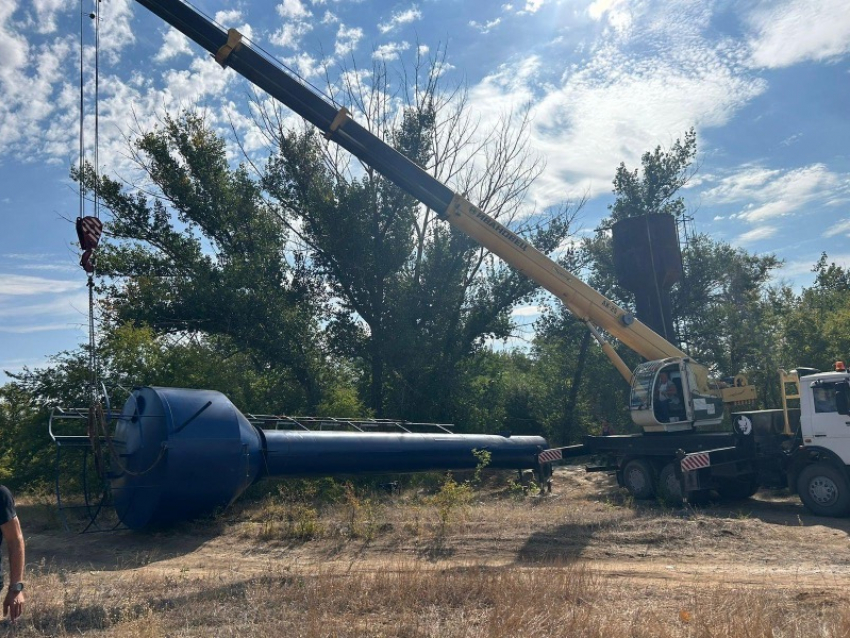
<point>642,387</point>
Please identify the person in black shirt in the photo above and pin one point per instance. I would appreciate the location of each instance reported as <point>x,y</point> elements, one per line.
<point>10,526</point>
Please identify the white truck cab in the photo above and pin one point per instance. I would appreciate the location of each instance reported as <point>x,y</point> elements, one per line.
<point>824,418</point>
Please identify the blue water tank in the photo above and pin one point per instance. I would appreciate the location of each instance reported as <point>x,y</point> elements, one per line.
<point>181,453</point>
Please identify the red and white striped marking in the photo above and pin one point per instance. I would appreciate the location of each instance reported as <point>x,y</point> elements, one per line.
<point>695,461</point>
<point>88,232</point>
<point>547,456</point>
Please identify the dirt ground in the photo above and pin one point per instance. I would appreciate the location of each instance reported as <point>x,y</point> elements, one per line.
<point>586,518</point>
<point>650,555</point>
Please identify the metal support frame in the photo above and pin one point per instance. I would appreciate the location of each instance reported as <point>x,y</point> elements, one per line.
<point>96,498</point>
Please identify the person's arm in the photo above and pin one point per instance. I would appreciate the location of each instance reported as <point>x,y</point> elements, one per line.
<point>13,603</point>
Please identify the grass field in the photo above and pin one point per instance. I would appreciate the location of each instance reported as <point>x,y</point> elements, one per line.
<point>321,560</point>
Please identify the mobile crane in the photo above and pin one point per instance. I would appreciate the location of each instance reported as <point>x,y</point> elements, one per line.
<point>684,447</point>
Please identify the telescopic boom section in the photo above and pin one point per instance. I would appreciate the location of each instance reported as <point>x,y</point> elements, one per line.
<point>582,300</point>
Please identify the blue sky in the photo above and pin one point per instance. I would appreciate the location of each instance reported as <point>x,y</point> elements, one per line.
<point>765,84</point>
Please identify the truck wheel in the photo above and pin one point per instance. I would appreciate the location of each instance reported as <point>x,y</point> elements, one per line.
<point>639,479</point>
<point>823,489</point>
<point>669,487</point>
<point>738,489</point>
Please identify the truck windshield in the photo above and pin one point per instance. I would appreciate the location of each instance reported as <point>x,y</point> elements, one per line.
<point>824,396</point>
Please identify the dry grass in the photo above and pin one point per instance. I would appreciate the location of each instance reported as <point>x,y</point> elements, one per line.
<point>405,601</point>
<point>583,563</point>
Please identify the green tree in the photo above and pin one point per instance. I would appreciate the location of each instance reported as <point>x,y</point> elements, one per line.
<point>412,297</point>
<point>201,252</point>
<point>817,321</point>
<point>653,189</point>
<point>726,310</point>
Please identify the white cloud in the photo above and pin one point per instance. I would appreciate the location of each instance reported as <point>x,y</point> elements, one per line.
<point>203,78</point>
<point>403,17</point>
<point>290,34</point>
<point>68,309</point>
<point>26,285</point>
<point>49,267</point>
<point>227,18</point>
<point>800,270</point>
<point>772,193</point>
<point>174,44</point>
<point>526,311</point>
<point>305,65</point>
<point>293,9</point>
<point>746,181</point>
<point>793,31</point>
<point>31,328</point>
<point>841,228</point>
<point>756,234</point>
<point>486,27</point>
<point>116,32</point>
<point>617,13</point>
<point>532,6</point>
<point>390,51</point>
<point>46,11</point>
<point>634,90</point>
<point>347,39</point>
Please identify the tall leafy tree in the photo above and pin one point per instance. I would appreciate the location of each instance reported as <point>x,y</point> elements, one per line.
<point>413,298</point>
<point>651,189</point>
<point>817,321</point>
<point>726,310</point>
<point>199,251</point>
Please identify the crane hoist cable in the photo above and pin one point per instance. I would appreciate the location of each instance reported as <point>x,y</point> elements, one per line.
<point>89,227</point>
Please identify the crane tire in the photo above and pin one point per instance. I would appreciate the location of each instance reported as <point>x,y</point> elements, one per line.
<point>669,487</point>
<point>824,489</point>
<point>639,479</point>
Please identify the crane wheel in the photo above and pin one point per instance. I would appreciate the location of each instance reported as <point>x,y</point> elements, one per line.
<point>669,486</point>
<point>824,489</point>
<point>639,479</point>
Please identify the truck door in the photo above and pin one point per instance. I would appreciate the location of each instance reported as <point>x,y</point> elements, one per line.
<point>828,428</point>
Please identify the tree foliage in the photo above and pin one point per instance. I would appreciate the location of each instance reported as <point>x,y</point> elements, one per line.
<point>199,251</point>
<point>653,188</point>
<point>817,321</point>
<point>413,298</point>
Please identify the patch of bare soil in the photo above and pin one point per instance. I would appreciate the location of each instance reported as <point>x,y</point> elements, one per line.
<point>643,566</point>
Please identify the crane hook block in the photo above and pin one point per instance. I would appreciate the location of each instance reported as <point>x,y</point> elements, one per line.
<point>234,41</point>
<point>88,232</point>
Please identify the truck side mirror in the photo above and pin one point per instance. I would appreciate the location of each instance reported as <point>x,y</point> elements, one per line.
<point>841,399</point>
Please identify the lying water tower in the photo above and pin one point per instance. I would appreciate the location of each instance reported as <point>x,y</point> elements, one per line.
<point>178,453</point>
<point>648,262</point>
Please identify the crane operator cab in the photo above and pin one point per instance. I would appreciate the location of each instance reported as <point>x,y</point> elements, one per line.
<point>674,395</point>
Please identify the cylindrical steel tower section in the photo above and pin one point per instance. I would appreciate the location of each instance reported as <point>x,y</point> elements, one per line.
<point>648,261</point>
<point>182,453</point>
<point>297,453</point>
